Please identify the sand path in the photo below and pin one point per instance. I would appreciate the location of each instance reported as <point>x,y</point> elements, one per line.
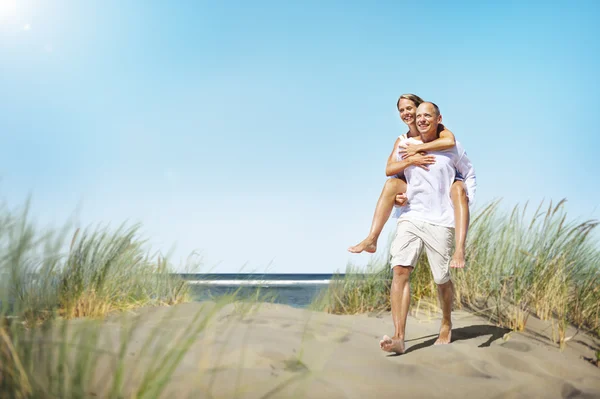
<point>279,351</point>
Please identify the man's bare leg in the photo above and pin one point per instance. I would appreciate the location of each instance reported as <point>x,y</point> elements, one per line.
<point>383,209</point>
<point>446,294</point>
<point>400,298</point>
<point>461,217</point>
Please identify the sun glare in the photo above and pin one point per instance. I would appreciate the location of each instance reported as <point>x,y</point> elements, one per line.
<point>8,9</point>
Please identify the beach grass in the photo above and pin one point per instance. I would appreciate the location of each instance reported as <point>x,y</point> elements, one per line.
<point>57,290</point>
<point>63,359</point>
<point>519,263</point>
<point>49,276</point>
<point>87,273</point>
<point>360,291</point>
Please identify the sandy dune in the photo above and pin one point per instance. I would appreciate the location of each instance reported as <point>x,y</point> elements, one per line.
<point>279,351</point>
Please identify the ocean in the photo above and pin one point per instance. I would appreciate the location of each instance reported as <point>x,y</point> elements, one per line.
<point>297,290</point>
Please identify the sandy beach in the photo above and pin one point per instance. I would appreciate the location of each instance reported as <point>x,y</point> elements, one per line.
<point>279,351</point>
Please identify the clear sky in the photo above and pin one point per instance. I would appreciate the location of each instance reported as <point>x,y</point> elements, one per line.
<point>256,133</point>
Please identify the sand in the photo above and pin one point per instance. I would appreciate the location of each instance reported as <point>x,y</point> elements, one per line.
<point>279,352</point>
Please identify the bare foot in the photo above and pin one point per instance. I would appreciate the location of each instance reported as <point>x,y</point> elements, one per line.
<point>458,260</point>
<point>368,245</point>
<point>395,345</point>
<point>445,335</point>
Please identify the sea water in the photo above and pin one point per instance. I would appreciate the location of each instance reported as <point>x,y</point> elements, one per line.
<point>297,290</point>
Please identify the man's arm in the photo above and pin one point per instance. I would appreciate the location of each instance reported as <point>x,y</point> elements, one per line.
<point>466,169</point>
<point>445,141</point>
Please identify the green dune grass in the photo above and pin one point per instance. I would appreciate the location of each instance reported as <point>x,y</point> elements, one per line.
<point>517,265</point>
<point>102,272</point>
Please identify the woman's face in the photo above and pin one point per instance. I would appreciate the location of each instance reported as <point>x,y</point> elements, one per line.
<point>408,111</point>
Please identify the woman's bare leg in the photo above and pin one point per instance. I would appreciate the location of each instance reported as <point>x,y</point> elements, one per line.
<point>461,222</point>
<point>383,209</point>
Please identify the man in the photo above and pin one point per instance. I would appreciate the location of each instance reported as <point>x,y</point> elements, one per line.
<point>427,221</point>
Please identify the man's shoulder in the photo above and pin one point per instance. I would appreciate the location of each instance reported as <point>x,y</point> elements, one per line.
<point>461,155</point>
<point>460,149</point>
<point>456,150</point>
<point>455,153</point>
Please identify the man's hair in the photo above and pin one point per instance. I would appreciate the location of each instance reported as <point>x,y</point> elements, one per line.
<point>437,109</point>
<point>412,97</point>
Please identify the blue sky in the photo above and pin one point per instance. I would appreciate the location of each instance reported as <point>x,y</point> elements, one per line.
<point>256,133</point>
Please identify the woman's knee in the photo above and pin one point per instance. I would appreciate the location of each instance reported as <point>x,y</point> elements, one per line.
<point>395,186</point>
<point>458,190</point>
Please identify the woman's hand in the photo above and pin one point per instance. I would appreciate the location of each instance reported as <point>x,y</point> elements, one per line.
<point>422,160</point>
<point>401,199</point>
<point>408,150</point>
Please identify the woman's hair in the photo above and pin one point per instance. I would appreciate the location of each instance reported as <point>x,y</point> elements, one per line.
<point>412,97</point>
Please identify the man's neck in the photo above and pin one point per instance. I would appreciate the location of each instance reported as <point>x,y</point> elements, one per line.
<point>430,136</point>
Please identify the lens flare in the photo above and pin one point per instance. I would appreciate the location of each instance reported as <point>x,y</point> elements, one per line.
<point>8,9</point>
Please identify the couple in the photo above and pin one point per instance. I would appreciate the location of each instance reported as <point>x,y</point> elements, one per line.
<point>439,187</point>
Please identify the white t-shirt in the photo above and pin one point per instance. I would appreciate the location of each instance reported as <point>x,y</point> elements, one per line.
<point>428,192</point>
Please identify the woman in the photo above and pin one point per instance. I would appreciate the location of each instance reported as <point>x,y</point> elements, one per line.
<point>403,155</point>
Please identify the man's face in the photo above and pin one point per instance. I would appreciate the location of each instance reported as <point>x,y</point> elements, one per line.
<point>427,119</point>
<point>408,111</point>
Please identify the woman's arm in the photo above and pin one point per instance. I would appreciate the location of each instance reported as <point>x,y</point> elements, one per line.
<point>445,141</point>
<point>394,167</point>
<point>420,160</point>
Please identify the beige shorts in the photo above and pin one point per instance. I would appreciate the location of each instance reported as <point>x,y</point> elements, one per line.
<point>412,235</point>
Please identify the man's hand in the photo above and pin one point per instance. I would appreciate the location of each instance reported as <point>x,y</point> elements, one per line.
<point>408,149</point>
<point>401,199</point>
<point>422,161</point>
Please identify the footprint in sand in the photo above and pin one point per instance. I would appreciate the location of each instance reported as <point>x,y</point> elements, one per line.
<point>294,365</point>
<point>569,391</point>
<point>343,338</point>
<point>516,363</point>
<point>469,368</point>
<point>516,346</point>
<point>255,321</point>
